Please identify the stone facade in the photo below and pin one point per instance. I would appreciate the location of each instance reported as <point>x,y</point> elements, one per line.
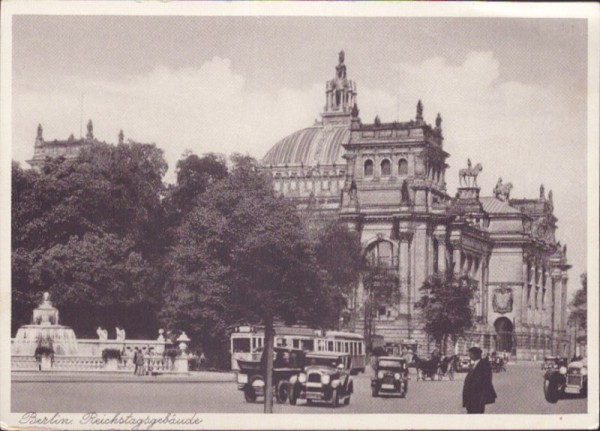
<point>387,181</point>
<point>69,148</point>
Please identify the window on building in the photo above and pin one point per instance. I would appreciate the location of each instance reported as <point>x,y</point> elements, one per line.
<point>369,168</point>
<point>386,169</point>
<point>402,167</point>
<point>382,253</point>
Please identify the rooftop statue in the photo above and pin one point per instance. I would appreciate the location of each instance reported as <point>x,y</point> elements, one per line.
<point>542,193</point>
<point>469,173</point>
<point>341,67</point>
<point>419,111</point>
<point>502,191</point>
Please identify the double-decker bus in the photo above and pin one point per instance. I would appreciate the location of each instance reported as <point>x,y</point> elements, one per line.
<point>247,343</point>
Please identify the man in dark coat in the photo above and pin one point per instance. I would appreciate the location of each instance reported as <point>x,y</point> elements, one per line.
<point>478,389</point>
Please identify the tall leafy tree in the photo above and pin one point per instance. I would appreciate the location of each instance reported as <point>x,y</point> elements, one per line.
<point>380,284</point>
<point>446,306</point>
<point>244,255</point>
<point>578,310</point>
<point>340,260</point>
<point>109,198</point>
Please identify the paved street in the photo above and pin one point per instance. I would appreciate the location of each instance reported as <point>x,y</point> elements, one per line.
<point>519,391</point>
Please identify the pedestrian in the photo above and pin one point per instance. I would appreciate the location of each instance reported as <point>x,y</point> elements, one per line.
<point>478,389</point>
<point>140,363</point>
<point>135,361</point>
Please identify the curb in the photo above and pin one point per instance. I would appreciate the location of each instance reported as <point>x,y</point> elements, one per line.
<point>91,378</point>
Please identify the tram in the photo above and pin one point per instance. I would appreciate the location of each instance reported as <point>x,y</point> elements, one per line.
<point>247,343</point>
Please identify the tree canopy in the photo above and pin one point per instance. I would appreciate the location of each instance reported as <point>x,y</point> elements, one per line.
<point>578,308</point>
<point>446,305</point>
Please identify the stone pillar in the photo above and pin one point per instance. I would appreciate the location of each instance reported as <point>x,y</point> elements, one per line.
<point>440,236</point>
<point>404,271</point>
<point>421,260</point>
<point>456,258</point>
<point>563,316</point>
<point>523,311</point>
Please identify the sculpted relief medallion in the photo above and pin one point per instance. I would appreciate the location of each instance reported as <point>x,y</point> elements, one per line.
<point>502,300</point>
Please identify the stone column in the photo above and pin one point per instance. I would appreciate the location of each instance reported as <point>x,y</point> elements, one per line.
<point>404,271</point>
<point>522,311</point>
<point>440,236</point>
<point>456,258</point>
<point>563,316</point>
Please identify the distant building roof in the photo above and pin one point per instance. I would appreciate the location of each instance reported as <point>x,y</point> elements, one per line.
<point>493,205</point>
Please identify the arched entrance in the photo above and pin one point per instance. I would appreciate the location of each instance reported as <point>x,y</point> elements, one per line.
<point>504,329</point>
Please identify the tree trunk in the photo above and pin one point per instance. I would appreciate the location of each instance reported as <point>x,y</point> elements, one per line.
<point>269,365</point>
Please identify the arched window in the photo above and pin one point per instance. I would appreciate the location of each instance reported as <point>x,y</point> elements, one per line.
<point>402,167</point>
<point>386,169</point>
<point>382,254</point>
<point>369,168</point>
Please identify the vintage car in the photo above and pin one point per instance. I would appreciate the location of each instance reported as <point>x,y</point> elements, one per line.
<point>391,376</point>
<point>463,363</point>
<point>553,362</point>
<point>571,379</point>
<point>326,377</point>
<point>251,376</point>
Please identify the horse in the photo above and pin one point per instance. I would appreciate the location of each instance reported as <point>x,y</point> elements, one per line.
<point>426,369</point>
<point>447,367</point>
<point>469,172</point>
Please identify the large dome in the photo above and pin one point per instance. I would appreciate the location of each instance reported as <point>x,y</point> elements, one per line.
<point>311,146</point>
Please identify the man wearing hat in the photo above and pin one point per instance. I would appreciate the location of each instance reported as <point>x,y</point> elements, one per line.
<point>478,389</point>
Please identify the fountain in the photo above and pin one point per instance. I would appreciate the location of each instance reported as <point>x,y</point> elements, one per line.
<point>45,331</point>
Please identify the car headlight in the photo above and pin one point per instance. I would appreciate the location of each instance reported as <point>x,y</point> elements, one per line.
<point>242,378</point>
<point>380,374</point>
<point>258,383</point>
<point>584,371</point>
<point>563,370</point>
<point>325,379</point>
<point>397,376</point>
<point>302,378</point>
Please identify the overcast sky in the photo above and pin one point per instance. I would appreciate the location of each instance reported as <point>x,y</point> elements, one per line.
<point>512,92</point>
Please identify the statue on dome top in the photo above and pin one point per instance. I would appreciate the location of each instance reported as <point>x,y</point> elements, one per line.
<point>39,132</point>
<point>438,121</point>
<point>542,192</point>
<point>341,67</point>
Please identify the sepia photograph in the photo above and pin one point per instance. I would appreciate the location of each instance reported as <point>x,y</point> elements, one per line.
<point>275,215</point>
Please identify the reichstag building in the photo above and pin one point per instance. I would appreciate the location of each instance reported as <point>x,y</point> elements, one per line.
<point>387,181</point>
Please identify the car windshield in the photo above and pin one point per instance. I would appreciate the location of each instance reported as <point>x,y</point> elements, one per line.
<point>389,363</point>
<point>327,362</point>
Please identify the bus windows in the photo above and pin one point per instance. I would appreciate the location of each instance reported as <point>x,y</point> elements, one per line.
<point>296,343</point>
<point>330,346</point>
<point>308,345</point>
<point>241,345</point>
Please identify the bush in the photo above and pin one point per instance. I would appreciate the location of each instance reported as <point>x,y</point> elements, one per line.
<point>111,354</point>
<point>43,351</point>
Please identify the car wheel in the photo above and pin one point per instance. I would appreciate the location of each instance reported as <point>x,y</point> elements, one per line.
<point>551,390</point>
<point>309,402</point>
<point>584,391</point>
<point>249,395</point>
<point>282,391</point>
<point>374,391</point>
<point>335,398</point>
<point>347,400</point>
